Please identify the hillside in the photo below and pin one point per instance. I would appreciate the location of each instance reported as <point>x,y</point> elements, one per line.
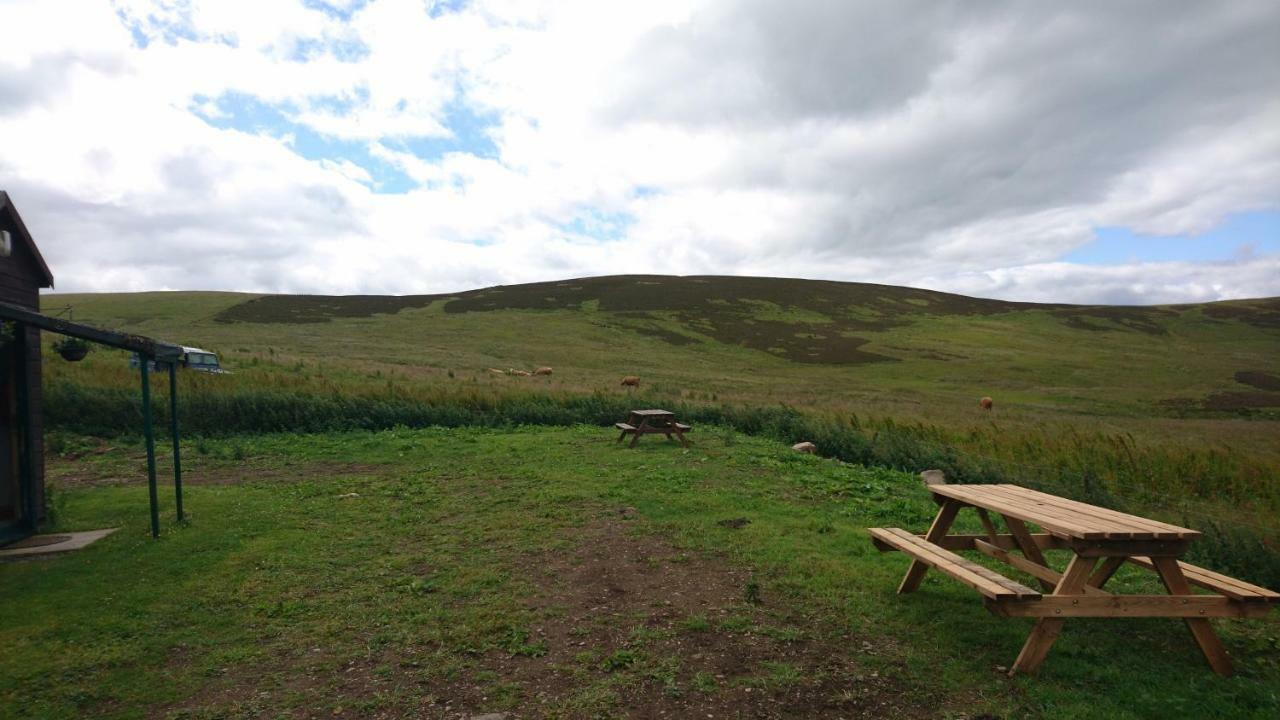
<point>1173,411</point>
<point>916,352</point>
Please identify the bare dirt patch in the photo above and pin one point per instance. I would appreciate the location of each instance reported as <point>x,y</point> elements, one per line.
<point>693,646</point>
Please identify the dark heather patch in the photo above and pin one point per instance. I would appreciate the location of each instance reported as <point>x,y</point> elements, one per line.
<point>1263,313</point>
<point>298,309</point>
<point>745,311</point>
<point>1232,401</point>
<point>1138,319</point>
<point>1259,379</point>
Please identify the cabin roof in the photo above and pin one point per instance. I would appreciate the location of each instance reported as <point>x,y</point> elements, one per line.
<point>23,236</point>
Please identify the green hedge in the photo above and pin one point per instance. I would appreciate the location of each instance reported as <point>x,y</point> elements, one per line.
<point>110,412</point>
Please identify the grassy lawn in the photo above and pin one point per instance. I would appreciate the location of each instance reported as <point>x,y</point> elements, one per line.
<point>551,572</point>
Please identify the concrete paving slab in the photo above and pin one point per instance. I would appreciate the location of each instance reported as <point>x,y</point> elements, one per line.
<point>53,544</point>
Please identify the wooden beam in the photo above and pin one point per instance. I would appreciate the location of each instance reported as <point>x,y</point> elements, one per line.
<point>1040,572</point>
<point>961,541</point>
<point>1046,629</point>
<point>1201,630</point>
<point>941,524</point>
<point>1128,548</point>
<point>1113,606</point>
<point>149,347</point>
<point>1028,546</point>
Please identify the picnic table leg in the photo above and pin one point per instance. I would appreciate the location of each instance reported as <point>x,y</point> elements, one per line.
<point>1176,583</point>
<point>635,440</point>
<point>941,524</point>
<point>1046,629</point>
<point>1105,570</point>
<point>1027,544</point>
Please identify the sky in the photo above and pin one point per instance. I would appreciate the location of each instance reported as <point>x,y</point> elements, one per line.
<point>1090,152</point>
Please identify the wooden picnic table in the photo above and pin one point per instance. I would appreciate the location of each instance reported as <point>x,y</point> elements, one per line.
<point>644,422</point>
<point>1099,540</point>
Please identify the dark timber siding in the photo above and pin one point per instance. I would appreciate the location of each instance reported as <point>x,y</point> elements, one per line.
<point>20,281</point>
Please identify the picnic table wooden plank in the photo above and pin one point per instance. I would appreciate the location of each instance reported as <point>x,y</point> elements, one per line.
<point>1052,524</point>
<point>1151,606</point>
<point>1062,515</point>
<point>1088,522</point>
<point>1222,584</point>
<point>1106,516</point>
<point>987,582</point>
<point>1040,571</point>
<point>1161,530</point>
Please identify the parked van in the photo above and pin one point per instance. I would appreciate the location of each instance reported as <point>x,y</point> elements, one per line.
<point>193,358</point>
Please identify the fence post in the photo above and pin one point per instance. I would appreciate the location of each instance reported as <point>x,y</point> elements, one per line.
<point>150,435</point>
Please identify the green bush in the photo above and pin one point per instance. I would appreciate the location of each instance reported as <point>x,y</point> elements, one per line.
<point>1103,470</point>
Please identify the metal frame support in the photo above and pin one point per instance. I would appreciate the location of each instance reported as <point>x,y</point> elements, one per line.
<point>150,434</point>
<point>26,473</point>
<point>173,428</point>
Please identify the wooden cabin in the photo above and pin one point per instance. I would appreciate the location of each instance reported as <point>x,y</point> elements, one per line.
<point>23,273</point>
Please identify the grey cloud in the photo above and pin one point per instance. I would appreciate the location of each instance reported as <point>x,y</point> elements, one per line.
<point>46,77</point>
<point>1009,108</point>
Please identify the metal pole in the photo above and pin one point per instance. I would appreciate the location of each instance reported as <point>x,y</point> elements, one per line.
<point>173,425</point>
<point>26,476</point>
<point>150,434</point>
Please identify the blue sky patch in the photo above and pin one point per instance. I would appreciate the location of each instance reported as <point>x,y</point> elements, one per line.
<point>470,135</point>
<point>598,225</point>
<point>248,114</point>
<point>1240,235</point>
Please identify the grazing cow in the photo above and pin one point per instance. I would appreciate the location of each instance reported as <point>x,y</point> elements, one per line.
<point>631,381</point>
<point>521,373</point>
<point>805,447</point>
<point>542,371</point>
<point>985,403</point>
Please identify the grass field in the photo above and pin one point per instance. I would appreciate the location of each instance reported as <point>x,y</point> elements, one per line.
<point>444,573</point>
<point>486,564</point>
<point>1172,411</point>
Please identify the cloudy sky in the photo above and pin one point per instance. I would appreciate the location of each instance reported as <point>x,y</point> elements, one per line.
<point>1083,152</point>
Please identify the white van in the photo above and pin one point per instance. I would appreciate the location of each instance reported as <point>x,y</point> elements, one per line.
<point>193,358</point>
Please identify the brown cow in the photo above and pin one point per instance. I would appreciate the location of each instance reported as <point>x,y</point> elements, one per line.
<point>985,403</point>
<point>542,371</point>
<point>519,373</point>
<point>631,381</point>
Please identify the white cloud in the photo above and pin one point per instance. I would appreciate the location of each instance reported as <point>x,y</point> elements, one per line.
<point>944,144</point>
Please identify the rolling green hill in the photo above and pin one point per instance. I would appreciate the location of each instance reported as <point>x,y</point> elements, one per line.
<point>1170,411</point>
<point>882,349</point>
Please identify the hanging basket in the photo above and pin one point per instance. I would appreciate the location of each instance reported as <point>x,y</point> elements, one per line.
<point>74,354</point>
<point>72,349</point>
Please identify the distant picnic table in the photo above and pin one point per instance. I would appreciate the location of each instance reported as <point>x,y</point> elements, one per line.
<point>1100,541</point>
<point>644,422</point>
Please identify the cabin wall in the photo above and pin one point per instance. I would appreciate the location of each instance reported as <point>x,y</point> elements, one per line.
<point>20,279</point>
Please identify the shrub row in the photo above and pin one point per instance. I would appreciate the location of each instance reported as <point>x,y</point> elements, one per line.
<point>107,412</point>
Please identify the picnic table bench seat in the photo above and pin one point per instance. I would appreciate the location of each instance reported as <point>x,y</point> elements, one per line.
<point>683,428</point>
<point>1217,582</point>
<point>625,427</point>
<point>991,584</point>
